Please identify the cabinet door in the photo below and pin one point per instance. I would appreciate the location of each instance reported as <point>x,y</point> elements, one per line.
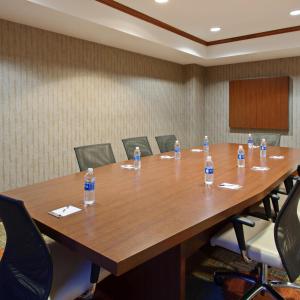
<point>242,104</point>
<point>273,105</point>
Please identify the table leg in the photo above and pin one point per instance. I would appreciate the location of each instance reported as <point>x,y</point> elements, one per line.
<point>161,278</point>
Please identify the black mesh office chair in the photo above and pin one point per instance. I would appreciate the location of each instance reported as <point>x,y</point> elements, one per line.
<point>142,142</point>
<point>26,267</point>
<point>166,142</point>
<point>270,245</point>
<point>93,156</point>
<point>31,269</point>
<point>272,139</point>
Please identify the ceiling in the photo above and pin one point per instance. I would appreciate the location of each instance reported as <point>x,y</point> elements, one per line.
<point>101,23</point>
<point>236,17</point>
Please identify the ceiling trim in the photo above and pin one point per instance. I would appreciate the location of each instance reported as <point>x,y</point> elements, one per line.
<point>137,14</point>
<point>254,35</point>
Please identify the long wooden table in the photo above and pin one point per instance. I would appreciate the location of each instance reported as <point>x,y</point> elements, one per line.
<point>142,218</point>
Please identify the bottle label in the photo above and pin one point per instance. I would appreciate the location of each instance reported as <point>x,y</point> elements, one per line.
<point>241,156</point>
<point>177,149</point>
<point>137,157</point>
<point>263,147</point>
<point>205,144</point>
<point>89,186</point>
<point>250,142</point>
<point>209,170</point>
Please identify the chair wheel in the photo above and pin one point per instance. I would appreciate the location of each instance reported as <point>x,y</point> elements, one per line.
<point>218,280</point>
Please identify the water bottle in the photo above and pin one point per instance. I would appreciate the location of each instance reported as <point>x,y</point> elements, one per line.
<point>177,150</point>
<point>250,141</point>
<point>209,171</point>
<point>89,187</point>
<point>263,148</point>
<point>241,157</point>
<point>137,158</point>
<point>206,144</point>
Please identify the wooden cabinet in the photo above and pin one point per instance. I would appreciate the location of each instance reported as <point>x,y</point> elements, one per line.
<point>259,103</point>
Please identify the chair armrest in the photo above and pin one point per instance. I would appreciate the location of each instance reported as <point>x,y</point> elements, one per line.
<point>238,222</point>
<point>275,202</point>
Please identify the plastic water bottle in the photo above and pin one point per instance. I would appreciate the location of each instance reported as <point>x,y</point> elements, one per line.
<point>241,157</point>
<point>263,148</point>
<point>209,171</point>
<point>206,144</point>
<point>250,141</point>
<point>177,150</point>
<point>137,158</point>
<point>89,187</point>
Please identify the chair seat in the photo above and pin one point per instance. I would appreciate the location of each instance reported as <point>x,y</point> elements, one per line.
<point>262,248</point>
<point>71,273</point>
<point>259,241</point>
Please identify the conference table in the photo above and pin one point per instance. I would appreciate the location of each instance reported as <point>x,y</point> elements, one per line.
<point>144,221</point>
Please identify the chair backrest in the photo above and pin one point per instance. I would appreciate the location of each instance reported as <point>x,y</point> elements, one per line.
<point>166,142</point>
<point>142,142</point>
<point>26,268</point>
<point>286,233</point>
<point>272,139</point>
<point>93,156</point>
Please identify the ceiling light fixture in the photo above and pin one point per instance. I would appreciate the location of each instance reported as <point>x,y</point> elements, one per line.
<point>295,12</point>
<point>215,29</point>
<point>161,1</point>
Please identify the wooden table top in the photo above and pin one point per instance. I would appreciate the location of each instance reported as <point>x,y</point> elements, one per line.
<point>140,214</point>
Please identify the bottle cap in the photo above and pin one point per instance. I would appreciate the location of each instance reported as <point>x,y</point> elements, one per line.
<point>137,148</point>
<point>205,137</point>
<point>263,140</point>
<point>177,141</point>
<point>241,147</point>
<point>249,134</point>
<point>208,158</point>
<point>90,170</point>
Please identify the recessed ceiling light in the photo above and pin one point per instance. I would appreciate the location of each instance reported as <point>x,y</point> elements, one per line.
<point>295,12</point>
<point>215,29</point>
<point>161,1</point>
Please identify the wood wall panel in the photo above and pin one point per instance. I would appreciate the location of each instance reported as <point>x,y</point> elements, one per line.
<point>217,80</point>
<point>261,103</point>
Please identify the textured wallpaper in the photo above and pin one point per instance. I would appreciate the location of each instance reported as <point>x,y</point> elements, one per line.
<point>217,97</point>
<point>57,92</point>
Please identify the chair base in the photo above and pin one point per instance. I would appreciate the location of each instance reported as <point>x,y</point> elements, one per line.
<point>261,284</point>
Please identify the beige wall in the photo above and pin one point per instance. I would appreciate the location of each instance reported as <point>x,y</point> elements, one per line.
<point>57,92</point>
<point>217,100</point>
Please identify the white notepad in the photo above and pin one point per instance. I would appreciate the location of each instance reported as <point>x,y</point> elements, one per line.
<point>166,157</point>
<point>277,157</point>
<point>197,150</point>
<point>64,211</point>
<point>260,168</point>
<point>230,186</point>
<point>127,166</point>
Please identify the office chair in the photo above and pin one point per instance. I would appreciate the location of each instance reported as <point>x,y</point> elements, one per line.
<point>166,143</point>
<point>142,142</point>
<point>270,245</point>
<point>32,269</point>
<point>272,139</point>
<point>93,156</point>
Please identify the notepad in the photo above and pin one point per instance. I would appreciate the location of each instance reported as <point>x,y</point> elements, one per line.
<point>127,167</point>
<point>260,168</point>
<point>277,157</point>
<point>64,211</point>
<point>166,157</point>
<point>197,150</point>
<point>230,186</point>
<point>255,147</point>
